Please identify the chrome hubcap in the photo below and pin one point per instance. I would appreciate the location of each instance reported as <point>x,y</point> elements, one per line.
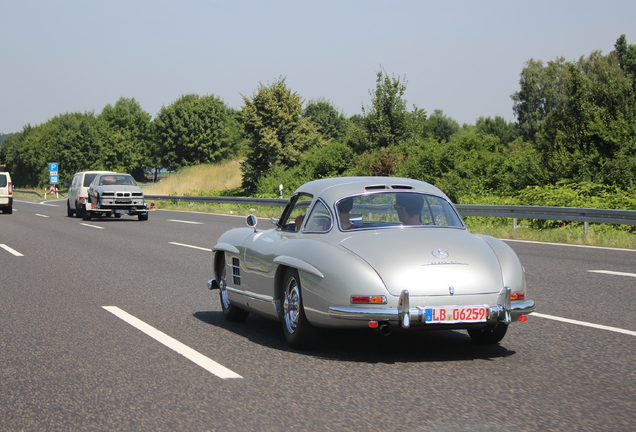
<point>291,305</point>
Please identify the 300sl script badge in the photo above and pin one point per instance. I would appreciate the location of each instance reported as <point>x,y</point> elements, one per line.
<point>440,253</point>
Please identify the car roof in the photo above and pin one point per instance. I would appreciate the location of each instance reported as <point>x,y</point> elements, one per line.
<point>95,172</point>
<point>331,189</point>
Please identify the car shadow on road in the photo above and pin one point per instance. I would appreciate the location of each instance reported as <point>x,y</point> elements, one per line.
<point>367,346</point>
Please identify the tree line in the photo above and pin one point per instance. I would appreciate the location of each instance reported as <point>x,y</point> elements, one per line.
<point>575,125</point>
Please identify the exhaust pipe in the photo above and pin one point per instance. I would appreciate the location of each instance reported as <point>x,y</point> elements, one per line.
<point>384,329</point>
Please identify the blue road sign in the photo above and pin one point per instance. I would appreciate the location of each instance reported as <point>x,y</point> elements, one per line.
<point>53,179</point>
<point>53,166</point>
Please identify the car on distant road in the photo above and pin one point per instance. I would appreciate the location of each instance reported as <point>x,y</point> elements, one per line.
<point>78,192</point>
<point>115,194</point>
<point>383,253</point>
<point>6,193</point>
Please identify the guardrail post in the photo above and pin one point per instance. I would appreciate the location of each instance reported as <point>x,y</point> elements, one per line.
<point>514,223</point>
<point>586,226</point>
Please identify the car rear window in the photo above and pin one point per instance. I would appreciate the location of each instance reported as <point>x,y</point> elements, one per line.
<point>88,179</point>
<point>3,180</point>
<point>394,209</point>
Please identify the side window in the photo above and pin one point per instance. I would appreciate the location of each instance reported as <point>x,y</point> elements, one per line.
<point>297,214</point>
<point>319,219</point>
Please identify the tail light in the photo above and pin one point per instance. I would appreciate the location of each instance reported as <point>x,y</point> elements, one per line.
<point>363,299</point>
<point>10,189</point>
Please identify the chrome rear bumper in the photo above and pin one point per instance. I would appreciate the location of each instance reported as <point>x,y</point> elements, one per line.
<point>404,315</point>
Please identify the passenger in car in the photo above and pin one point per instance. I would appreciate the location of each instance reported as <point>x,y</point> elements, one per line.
<point>409,208</point>
<point>344,207</point>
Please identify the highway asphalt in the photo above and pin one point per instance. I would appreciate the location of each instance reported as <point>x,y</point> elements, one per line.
<point>108,325</point>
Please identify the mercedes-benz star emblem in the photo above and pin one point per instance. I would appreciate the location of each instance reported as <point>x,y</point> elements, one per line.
<point>440,253</point>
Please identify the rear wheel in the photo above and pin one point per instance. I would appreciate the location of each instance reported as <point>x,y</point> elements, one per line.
<point>230,311</point>
<point>488,335</point>
<point>143,217</point>
<point>299,333</point>
<point>69,212</point>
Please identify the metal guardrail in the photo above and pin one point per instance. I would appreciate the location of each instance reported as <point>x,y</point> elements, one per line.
<point>275,202</point>
<point>28,192</point>
<point>586,215</point>
<point>627,217</point>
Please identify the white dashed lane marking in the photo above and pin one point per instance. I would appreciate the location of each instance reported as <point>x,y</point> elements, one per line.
<point>10,250</point>
<point>192,355</point>
<point>190,246</point>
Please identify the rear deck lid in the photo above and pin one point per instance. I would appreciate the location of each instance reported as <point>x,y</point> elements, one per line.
<point>429,261</point>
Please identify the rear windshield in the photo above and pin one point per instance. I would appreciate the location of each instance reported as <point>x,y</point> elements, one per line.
<point>3,180</point>
<point>393,209</point>
<point>117,179</point>
<point>88,179</point>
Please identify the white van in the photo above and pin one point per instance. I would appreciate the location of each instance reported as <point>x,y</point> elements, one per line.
<point>78,192</point>
<point>6,193</point>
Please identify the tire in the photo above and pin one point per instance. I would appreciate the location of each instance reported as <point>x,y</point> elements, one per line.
<point>86,215</point>
<point>488,335</point>
<point>143,217</point>
<point>299,333</point>
<point>231,312</point>
<point>69,212</point>
<point>8,210</point>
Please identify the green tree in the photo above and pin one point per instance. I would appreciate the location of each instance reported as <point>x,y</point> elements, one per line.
<point>387,120</point>
<point>595,126</point>
<point>441,127</point>
<point>540,93</point>
<point>505,131</point>
<point>331,124</point>
<point>23,156</point>
<point>626,55</point>
<point>126,137</point>
<point>195,130</point>
<point>278,132</point>
<point>69,139</point>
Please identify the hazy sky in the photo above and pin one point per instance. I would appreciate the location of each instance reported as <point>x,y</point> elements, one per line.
<point>463,57</point>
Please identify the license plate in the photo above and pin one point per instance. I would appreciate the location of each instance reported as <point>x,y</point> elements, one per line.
<point>123,201</point>
<point>456,314</point>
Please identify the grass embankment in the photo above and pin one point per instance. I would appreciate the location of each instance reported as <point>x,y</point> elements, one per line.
<point>199,180</point>
<point>211,180</point>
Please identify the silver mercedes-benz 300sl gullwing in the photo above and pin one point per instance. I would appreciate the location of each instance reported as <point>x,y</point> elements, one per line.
<point>370,252</point>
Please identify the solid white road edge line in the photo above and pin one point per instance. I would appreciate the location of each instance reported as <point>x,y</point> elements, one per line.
<point>612,273</point>
<point>585,324</point>
<point>570,245</point>
<point>190,246</point>
<point>192,355</point>
<point>185,221</point>
<point>92,226</point>
<point>10,250</point>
